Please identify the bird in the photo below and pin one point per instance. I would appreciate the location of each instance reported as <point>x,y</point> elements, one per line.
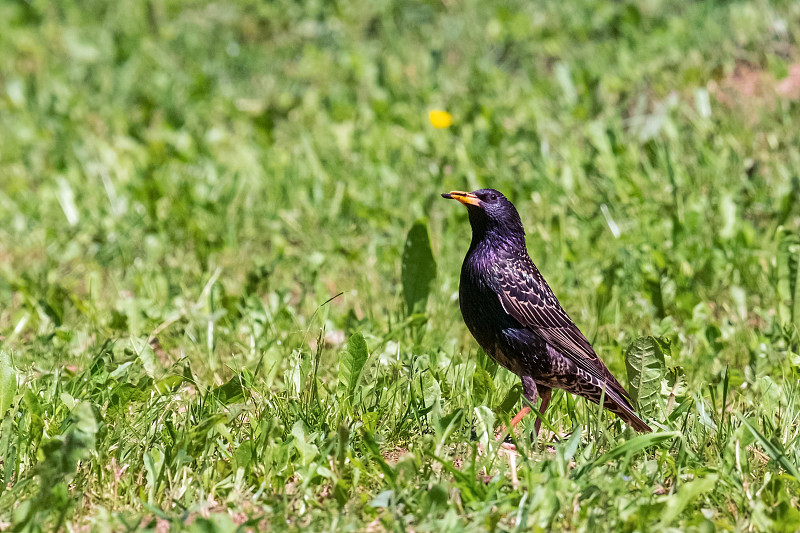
<point>516,318</point>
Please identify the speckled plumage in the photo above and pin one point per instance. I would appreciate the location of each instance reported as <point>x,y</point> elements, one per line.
<point>515,317</point>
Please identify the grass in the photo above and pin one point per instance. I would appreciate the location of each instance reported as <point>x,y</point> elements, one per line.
<point>203,217</point>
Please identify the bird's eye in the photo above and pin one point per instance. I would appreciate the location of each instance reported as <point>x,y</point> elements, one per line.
<point>492,197</point>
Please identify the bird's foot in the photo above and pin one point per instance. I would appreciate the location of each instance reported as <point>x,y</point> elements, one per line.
<point>508,442</point>
<point>506,446</point>
<point>503,434</point>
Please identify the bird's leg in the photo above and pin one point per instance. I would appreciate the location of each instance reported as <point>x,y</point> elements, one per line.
<point>542,408</point>
<point>531,394</point>
<point>519,416</point>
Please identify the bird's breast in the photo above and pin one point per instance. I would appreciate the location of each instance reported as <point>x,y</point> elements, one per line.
<point>484,315</point>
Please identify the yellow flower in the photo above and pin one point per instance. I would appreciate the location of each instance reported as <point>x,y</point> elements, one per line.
<point>440,119</point>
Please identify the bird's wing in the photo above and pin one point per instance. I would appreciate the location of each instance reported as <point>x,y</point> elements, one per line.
<point>525,295</point>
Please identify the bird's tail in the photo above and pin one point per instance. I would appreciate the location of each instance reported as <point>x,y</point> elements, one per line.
<point>624,410</point>
<point>614,401</point>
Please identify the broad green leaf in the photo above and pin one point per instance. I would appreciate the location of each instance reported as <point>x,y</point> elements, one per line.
<point>8,451</point>
<point>703,415</point>
<point>727,211</point>
<point>243,455</point>
<point>153,464</point>
<point>68,400</point>
<point>307,450</point>
<point>432,396</point>
<point>771,392</point>
<point>144,352</point>
<point>687,493</point>
<point>673,387</point>
<point>484,426</point>
<point>482,384</point>
<point>168,383</point>
<point>341,491</point>
<point>8,382</point>
<point>646,367</point>
<point>383,499</point>
<point>35,412</point>
<point>511,399</point>
<point>564,78</point>
<point>431,391</point>
<point>572,444</point>
<point>446,425</point>
<point>788,277</point>
<point>81,433</point>
<point>122,396</point>
<point>232,391</point>
<point>351,365</point>
<point>418,269</point>
<point>74,444</point>
<point>370,421</point>
<point>199,434</point>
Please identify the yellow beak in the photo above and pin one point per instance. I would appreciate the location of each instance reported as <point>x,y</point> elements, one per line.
<point>466,198</point>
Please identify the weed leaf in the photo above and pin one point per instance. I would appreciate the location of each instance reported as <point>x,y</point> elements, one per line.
<point>484,426</point>
<point>687,493</point>
<point>351,365</point>
<point>232,391</point>
<point>418,269</point>
<point>482,384</point>
<point>144,352</point>
<point>8,382</point>
<point>646,367</point>
<point>788,273</point>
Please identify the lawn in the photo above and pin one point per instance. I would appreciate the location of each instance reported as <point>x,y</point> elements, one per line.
<point>229,286</point>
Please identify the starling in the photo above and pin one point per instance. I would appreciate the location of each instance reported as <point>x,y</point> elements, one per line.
<point>515,317</point>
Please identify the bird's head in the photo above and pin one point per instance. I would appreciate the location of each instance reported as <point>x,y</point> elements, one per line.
<point>490,213</point>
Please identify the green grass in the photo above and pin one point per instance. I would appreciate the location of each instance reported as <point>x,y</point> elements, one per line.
<point>187,187</point>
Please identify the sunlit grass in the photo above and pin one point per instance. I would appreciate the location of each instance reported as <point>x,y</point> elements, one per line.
<point>205,214</point>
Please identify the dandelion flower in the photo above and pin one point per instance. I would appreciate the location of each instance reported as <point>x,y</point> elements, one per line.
<point>440,119</point>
